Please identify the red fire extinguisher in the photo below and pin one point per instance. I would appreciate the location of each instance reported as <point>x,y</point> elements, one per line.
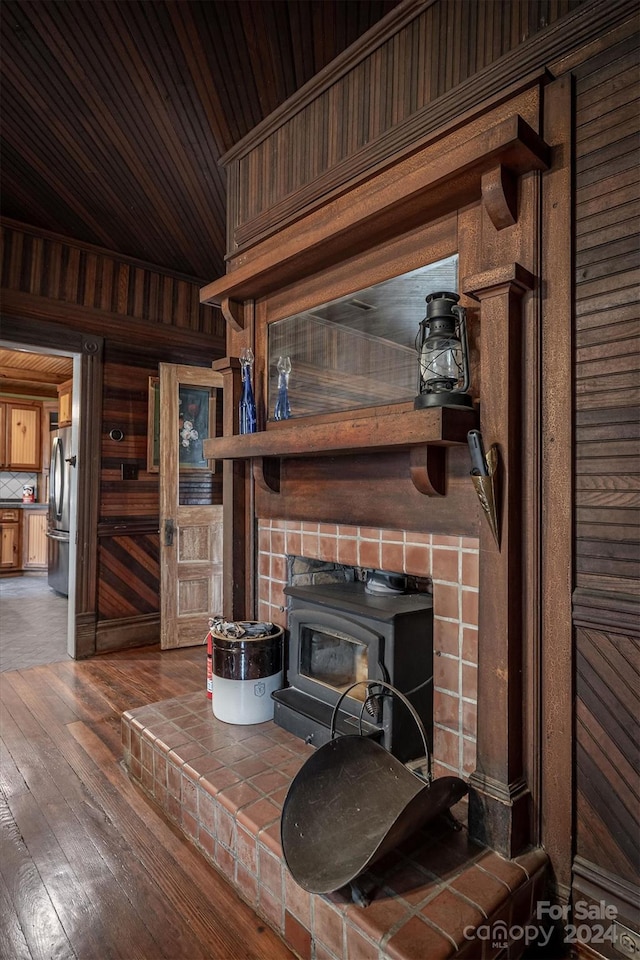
<point>209,665</point>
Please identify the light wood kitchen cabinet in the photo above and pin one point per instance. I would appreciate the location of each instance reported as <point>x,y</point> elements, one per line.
<point>20,443</point>
<point>34,539</point>
<point>65,399</point>
<point>9,540</point>
<point>49,410</point>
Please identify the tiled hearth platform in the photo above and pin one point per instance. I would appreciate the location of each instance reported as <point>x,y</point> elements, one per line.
<point>224,786</point>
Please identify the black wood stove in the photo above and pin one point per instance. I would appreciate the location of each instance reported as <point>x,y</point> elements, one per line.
<point>339,634</point>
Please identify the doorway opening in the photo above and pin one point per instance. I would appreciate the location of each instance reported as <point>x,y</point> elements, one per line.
<point>37,611</point>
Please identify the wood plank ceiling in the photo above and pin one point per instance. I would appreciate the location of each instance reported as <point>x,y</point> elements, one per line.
<point>115,114</point>
<point>30,375</point>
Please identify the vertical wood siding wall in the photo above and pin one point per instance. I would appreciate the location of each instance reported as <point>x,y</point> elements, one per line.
<point>125,406</point>
<point>47,266</point>
<point>342,130</point>
<point>607,547</point>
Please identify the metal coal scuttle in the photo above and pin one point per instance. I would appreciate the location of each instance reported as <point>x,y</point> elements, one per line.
<point>352,802</point>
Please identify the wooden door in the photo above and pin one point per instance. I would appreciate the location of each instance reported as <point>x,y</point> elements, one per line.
<point>190,534</point>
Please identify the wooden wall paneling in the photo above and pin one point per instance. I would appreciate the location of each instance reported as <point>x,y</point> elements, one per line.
<point>608,751</point>
<point>126,397</point>
<point>129,567</point>
<point>607,356</point>
<point>61,269</point>
<point>606,601</point>
<point>552,492</point>
<point>185,346</point>
<point>390,203</point>
<point>498,45</point>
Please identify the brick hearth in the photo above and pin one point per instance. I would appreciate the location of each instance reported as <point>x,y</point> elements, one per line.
<point>224,786</point>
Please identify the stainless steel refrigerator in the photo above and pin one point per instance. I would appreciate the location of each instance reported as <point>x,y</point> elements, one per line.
<point>58,522</point>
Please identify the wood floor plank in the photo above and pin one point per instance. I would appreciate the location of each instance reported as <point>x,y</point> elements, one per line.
<point>11,780</point>
<point>33,750</point>
<point>79,850</point>
<point>125,871</point>
<point>68,891</point>
<point>41,814</point>
<point>157,911</point>
<point>39,922</point>
<point>12,939</point>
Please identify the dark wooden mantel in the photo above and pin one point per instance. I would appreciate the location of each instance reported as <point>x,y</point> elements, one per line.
<point>486,167</point>
<point>427,432</point>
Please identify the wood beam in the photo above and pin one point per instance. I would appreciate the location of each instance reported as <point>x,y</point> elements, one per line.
<point>101,323</point>
<point>32,376</point>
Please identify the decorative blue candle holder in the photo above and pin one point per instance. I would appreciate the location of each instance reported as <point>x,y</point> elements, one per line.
<point>247,407</point>
<point>282,409</point>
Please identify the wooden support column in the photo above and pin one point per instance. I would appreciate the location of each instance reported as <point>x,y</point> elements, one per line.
<point>499,802</point>
<point>236,529</point>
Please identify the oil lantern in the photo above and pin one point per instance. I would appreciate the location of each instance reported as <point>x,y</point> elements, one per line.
<point>443,354</point>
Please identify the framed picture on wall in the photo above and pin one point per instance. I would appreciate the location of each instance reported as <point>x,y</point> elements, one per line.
<point>196,408</point>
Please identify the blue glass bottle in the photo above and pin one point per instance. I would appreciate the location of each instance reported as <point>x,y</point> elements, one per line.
<point>247,406</point>
<point>282,409</point>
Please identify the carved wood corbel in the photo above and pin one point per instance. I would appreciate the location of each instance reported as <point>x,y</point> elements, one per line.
<point>500,196</point>
<point>233,313</point>
<point>266,473</point>
<point>428,468</point>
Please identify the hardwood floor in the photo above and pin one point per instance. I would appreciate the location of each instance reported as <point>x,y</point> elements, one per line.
<point>89,868</point>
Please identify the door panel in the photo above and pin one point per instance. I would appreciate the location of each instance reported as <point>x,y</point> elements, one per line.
<point>191,535</point>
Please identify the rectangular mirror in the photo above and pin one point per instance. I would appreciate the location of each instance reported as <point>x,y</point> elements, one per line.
<point>356,351</point>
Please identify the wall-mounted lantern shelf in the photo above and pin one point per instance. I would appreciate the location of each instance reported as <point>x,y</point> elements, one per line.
<point>426,434</point>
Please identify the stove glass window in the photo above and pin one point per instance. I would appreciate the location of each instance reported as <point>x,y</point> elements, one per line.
<point>333,659</point>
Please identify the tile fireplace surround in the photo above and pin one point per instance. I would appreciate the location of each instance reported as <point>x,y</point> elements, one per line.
<point>451,563</point>
<point>439,895</point>
<point>224,786</point>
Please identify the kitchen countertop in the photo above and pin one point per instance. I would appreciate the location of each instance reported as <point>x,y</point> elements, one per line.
<point>18,504</point>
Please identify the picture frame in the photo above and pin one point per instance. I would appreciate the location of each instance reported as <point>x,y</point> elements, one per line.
<point>195,418</point>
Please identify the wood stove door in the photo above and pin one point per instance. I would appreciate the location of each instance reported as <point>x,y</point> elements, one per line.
<point>327,653</point>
